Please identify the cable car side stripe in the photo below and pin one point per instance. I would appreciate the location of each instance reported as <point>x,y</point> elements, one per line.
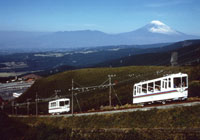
<point>57,108</point>
<point>156,93</point>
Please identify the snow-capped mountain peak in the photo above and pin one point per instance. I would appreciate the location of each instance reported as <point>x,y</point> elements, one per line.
<point>157,26</point>
<point>157,22</point>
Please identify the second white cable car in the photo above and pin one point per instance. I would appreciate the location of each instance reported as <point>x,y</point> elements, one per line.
<point>170,87</point>
<point>59,106</point>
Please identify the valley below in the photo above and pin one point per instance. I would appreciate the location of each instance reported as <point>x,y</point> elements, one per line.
<point>91,67</point>
<point>51,62</point>
<point>99,70</point>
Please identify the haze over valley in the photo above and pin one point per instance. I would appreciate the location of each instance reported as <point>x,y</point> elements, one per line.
<point>152,33</point>
<point>99,69</point>
<point>52,52</point>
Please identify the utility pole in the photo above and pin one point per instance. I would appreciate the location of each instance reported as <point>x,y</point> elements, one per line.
<point>36,104</point>
<point>2,106</point>
<point>56,92</point>
<point>16,109</point>
<point>77,102</point>
<point>72,97</point>
<point>28,103</point>
<point>27,106</point>
<point>13,107</point>
<point>110,88</point>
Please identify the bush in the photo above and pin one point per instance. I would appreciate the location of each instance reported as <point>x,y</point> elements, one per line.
<point>194,89</point>
<point>48,132</point>
<point>11,129</point>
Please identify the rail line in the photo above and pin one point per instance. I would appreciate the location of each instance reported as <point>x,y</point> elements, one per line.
<point>145,108</point>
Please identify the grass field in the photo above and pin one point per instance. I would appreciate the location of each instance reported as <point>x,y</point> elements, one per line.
<point>125,79</point>
<point>177,123</point>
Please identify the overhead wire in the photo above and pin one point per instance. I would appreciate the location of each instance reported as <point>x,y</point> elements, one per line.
<point>117,96</point>
<point>103,84</point>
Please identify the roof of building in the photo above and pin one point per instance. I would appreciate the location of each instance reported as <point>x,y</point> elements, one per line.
<point>31,76</point>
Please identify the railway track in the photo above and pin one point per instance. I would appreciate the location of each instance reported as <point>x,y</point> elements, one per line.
<point>145,108</point>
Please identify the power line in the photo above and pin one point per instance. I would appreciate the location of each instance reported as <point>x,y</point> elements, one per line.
<point>116,96</point>
<point>82,89</point>
<point>75,95</point>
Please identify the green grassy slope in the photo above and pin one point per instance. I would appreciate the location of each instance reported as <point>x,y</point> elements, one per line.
<point>177,123</point>
<point>95,76</point>
<point>11,129</point>
<point>180,117</point>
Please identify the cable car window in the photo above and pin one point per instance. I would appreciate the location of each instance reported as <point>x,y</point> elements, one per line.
<point>150,87</point>
<point>164,83</point>
<point>139,89</point>
<point>144,88</point>
<point>169,82</point>
<point>135,90</point>
<point>184,81</point>
<point>157,85</point>
<point>62,103</point>
<point>177,82</point>
<point>66,102</point>
<point>53,104</point>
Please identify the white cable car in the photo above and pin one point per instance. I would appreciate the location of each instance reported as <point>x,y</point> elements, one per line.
<point>59,106</point>
<point>167,88</point>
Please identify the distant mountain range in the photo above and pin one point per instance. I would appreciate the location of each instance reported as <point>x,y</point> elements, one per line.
<point>69,59</point>
<point>47,63</point>
<point>188,54</point>
<point>154,32</point>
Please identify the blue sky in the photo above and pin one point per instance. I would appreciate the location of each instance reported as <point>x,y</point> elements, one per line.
<point>110,16</point>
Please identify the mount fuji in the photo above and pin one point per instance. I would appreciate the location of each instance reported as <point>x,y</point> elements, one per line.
<point>156,26</point>
<point>153,32</point>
